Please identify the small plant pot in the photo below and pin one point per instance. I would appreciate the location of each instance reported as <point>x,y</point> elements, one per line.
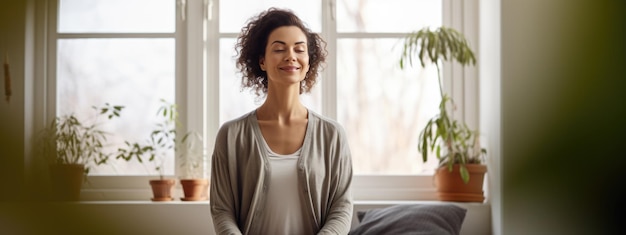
<point>67,180</point>
<point>162,189</point>
<point>450,186</point>
<point>195,189</point>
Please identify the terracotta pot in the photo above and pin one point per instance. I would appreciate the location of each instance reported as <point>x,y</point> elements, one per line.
<point>162,189</point>
<point>450,186</point>
<point>67,180</point>
<point>195,189</point>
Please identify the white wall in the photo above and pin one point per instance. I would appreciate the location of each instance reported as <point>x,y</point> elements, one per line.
<point>490,103</point>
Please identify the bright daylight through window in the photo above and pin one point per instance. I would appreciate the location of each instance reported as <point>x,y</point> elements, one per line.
<point>125,52</point>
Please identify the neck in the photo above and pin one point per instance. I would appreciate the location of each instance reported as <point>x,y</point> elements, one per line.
<point>282,104</point>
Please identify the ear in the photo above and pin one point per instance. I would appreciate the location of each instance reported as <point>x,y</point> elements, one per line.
<point>262,63</point>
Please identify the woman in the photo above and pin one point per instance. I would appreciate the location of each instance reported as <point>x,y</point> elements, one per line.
<point>281,169</point>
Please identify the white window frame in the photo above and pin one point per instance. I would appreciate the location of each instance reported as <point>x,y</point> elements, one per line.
<point>197,72</point>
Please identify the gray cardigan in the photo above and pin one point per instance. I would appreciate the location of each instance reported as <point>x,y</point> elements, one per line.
<point>239,169</point>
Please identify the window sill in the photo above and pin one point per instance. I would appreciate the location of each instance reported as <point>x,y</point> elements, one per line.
<point>364,187</point>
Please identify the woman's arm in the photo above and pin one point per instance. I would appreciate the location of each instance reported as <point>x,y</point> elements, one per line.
<point>339,218</point>
<point>222,199</point>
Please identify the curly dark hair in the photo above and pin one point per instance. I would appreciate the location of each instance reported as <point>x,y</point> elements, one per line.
<point>251,45</point>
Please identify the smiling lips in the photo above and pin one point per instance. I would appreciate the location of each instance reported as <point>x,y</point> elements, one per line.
<point>290,68</point>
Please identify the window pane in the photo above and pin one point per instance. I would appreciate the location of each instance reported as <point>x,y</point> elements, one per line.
<point>387,16</point>
<point>382,107</point>
<point>234,101</point>
<point>135,73</point>
<point>233,16</point>
<point>117,16</point>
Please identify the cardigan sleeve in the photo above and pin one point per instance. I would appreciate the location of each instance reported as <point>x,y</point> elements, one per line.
<point>339,218</point>
<point>223,208</point>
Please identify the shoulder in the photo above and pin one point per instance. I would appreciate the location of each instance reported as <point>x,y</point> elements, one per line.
<point>326,125</point>
<point>329,135</point>
<point>237,125</point>
<point>239,122</point>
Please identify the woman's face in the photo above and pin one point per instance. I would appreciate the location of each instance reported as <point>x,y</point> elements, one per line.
<point>286,59</point>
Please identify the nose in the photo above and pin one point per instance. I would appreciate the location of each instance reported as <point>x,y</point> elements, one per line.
<point>291,56</point>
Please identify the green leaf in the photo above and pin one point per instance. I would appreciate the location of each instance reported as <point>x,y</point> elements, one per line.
<point>430,45</point>
<point>425,151</point>
<point>421,53</point>
<point>464,173</point>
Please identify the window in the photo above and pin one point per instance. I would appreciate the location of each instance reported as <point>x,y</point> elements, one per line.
<point>382,107</point>
<point>112,51</point>
<point>136,52</point>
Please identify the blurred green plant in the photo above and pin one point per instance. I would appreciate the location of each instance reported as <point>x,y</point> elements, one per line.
<point>67,140</point>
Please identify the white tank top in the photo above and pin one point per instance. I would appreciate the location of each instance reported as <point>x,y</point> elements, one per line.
<point>283,212</point>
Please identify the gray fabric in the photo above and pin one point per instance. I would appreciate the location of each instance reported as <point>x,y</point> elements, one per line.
<point>240,168</point>
<point>411,219</point>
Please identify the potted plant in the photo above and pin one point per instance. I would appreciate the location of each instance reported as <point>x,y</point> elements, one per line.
<point>460,174</point>
<point>71,148</point>
<point>191,157</point>
<point>156,147</point>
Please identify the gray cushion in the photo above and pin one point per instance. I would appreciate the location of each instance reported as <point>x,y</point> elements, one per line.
<point>411,219</point>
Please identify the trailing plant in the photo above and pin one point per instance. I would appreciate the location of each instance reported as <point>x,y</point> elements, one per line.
<point>162,140</point>
<point>67,140</point>
<point>452,141</point>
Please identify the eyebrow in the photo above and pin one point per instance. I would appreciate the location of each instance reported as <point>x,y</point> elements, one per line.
<point>284,43</point>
